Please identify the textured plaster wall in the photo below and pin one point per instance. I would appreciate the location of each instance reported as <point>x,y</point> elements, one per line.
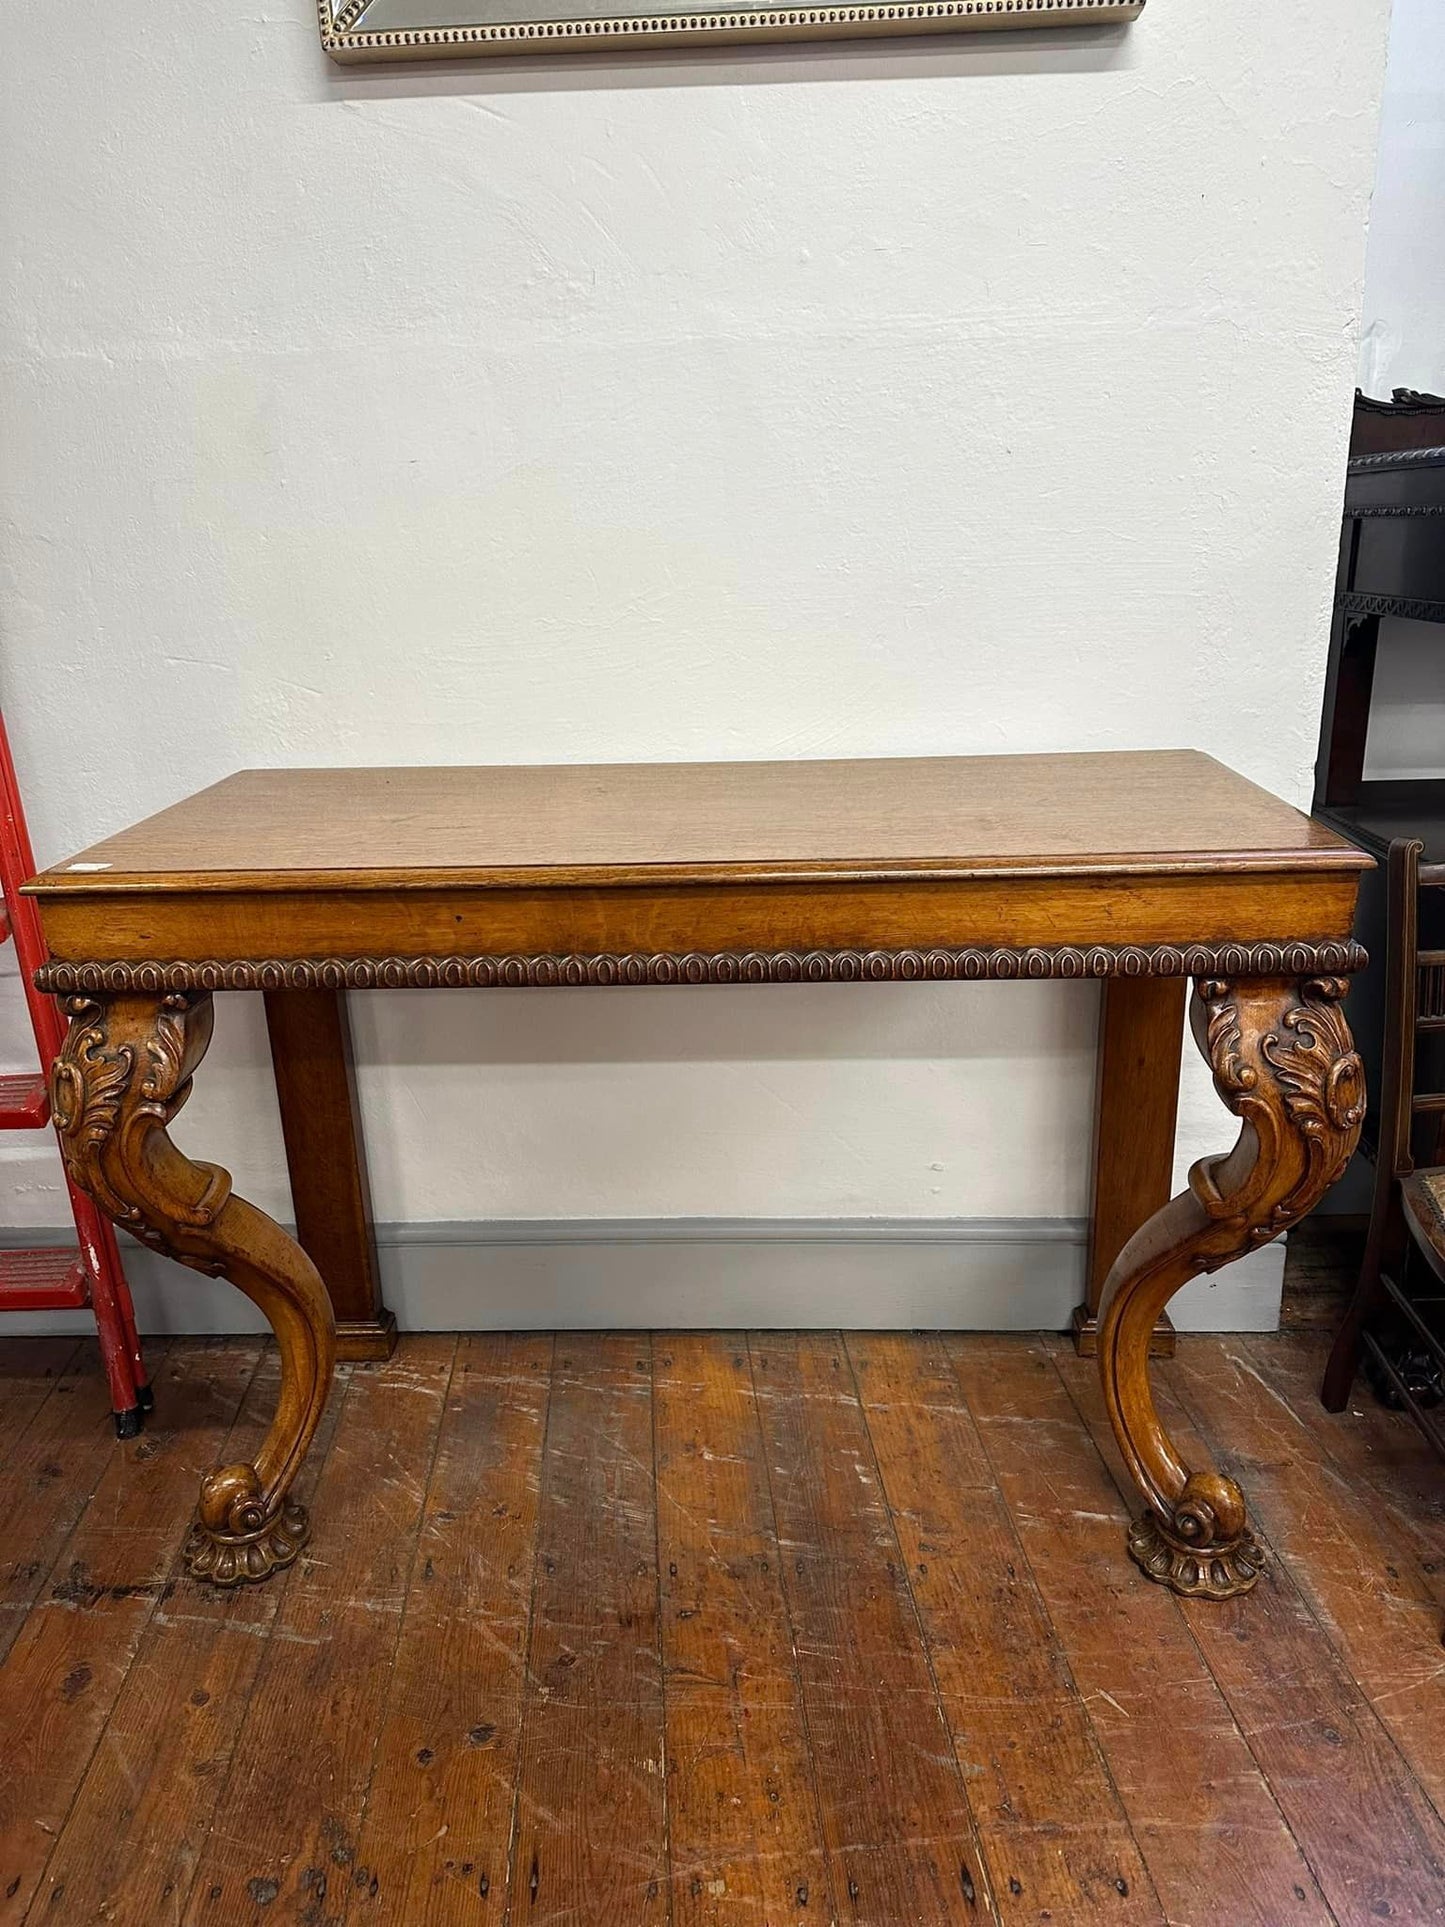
<point>970,395</point>
<point>1403,346</point>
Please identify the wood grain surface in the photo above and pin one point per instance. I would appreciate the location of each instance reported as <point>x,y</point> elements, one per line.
<point>311,1057</point>
<point>611,824</point>
<point>224,918</point>
<point>744,1817</point>
<point>1364,1823</point>
<point>1136,1104</point>
<point>718,1631</point>
<point>104,1579</point>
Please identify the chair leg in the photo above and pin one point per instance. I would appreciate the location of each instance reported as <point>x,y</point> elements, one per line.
<point>1344,1359</point>
<point>1385,1246</point>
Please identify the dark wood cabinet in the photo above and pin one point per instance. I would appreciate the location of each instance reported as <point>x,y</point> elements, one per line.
<point>1392,564</point>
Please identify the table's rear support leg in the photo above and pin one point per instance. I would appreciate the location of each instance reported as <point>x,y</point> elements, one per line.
<point>122,1074</point>
<point>1136,1104</point>
<point>1284,1063</point>
<point>321,1123</point>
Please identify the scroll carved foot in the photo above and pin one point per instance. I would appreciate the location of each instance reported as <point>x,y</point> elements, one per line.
<point>1201,1552</point>
<point>239,1536</point>
<point>124,1071</point>
<point>1284,1063</point>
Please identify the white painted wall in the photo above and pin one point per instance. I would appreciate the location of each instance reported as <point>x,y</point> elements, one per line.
<point>1402,345</point>
<point>1403,340</point>
<point>957,395</point>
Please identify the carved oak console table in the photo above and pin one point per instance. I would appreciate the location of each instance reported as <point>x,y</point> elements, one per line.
<point>1140,869</point>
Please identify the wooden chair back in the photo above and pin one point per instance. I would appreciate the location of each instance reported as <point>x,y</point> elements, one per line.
<point>1412,1112</point>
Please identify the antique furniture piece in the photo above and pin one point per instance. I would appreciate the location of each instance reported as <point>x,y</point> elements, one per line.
<point>1136,1105</point>
<point>1134,868</point>
<point>1391,569</point>
<point>1408,1212</point>
<point>369,30</point>
<point>88,1273</point>
<point>1392,565</point>
<point>1409,419</point>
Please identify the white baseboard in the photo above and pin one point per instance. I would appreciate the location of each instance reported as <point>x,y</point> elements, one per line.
<point>1016,1274</point>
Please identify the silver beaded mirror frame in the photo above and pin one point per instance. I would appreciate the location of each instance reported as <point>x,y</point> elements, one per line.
<point>387,30</point>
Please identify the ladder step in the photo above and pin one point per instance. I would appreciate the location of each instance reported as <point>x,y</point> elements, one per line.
<point>24,1102</point>
<point>52,1279</point>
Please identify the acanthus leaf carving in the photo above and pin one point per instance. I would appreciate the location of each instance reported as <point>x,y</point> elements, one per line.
<point>1284,1063</point>
<point>123,1072</point>
<point>102,1115</point>
<point>1319,1071</point>
<point>1306,1067</point>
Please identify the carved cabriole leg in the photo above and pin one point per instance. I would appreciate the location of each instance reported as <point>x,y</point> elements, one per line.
<point>1284,1063</point>
<point>122,1074</point>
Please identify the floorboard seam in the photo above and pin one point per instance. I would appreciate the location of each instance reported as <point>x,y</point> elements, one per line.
<point>1304,1594</point>
<point>282,1581</point>
<point>66,1365</point>
<point>661,1644</point>
<point>525,1712</point>
<point>1265,1360</point>
<point>925,1645</point>
<point>35,1598</point>
<point>407,1583</point>
<point>801,1698</point>
<point>1130,1498</point>
<point>1043,1605</point>
<point>162,1591</point>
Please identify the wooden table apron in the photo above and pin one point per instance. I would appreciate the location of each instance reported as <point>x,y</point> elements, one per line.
<point>1262,933</point>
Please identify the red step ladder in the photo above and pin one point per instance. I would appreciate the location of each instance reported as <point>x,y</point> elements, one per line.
<point>66,1277</point>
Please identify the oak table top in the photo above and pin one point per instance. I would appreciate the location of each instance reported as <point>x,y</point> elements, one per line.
<point>1111,848</point>
<point>613,824</point>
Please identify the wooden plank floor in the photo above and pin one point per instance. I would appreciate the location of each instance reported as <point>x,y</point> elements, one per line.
<point>717,1631</point>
